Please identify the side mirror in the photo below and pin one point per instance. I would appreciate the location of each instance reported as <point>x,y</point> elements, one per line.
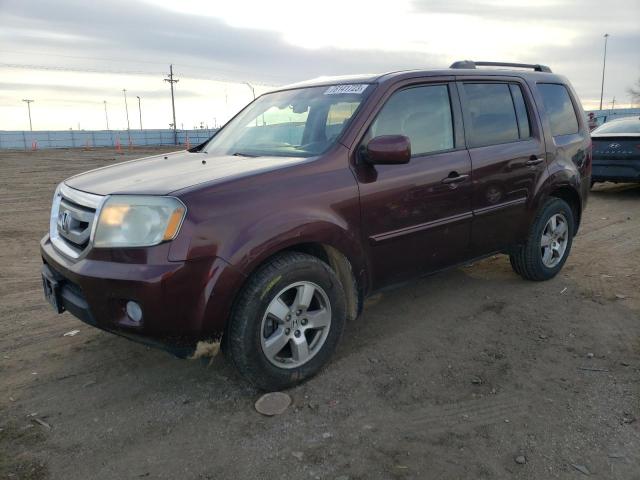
<point>388,150</point>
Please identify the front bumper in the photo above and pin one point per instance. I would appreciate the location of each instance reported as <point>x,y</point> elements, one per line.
<point>182,302</point>
<point>627,170</point>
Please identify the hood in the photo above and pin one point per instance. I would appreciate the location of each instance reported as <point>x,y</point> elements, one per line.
<point>166,173</point>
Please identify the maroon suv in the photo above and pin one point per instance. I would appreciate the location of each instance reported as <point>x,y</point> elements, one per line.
<point>272,233</point>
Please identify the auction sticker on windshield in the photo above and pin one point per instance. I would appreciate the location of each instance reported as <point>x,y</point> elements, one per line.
<point>340,89</point>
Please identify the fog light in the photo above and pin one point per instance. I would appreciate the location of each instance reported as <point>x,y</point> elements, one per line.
<point>134,311</point>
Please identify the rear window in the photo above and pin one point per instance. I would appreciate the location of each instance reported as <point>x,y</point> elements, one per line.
<point>497,114</point>
<point>557,104</point>
<point>620,126</point>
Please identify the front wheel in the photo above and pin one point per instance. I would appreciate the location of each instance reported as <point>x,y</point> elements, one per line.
<point>548,244</point>
<point>287,321</point>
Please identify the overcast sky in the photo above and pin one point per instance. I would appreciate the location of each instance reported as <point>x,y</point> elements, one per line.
<point>72,55</point>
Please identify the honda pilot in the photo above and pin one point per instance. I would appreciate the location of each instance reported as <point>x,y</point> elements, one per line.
<point>269,236</point>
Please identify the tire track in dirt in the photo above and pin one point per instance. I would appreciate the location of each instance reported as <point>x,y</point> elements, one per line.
<point>463,415</point>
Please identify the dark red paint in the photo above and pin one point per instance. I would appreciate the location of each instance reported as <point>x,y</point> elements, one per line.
<point>388,150</point>
<point>392,222</point>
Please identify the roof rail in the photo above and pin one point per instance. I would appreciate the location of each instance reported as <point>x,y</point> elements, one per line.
<point>471,64</point>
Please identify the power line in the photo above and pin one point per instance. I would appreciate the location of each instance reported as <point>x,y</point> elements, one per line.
<point>236,72</point>
<point>227,76</point>
<point>73,69</point>
<point>171,81</point>
<point>80,57</point>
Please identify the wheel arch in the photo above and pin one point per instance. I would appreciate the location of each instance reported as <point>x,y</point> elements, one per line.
<point>570,195</point>
<point>337,260</point>
<point>563,184</point>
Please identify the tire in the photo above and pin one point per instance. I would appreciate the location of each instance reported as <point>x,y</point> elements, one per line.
<point>531,260</point>
<point>254,330</point>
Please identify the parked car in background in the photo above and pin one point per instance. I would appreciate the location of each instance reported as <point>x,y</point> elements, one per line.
<point>271,234</point>
<point>616,151</point>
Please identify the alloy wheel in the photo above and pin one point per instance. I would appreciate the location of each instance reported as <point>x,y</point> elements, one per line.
<point>295,325</point>
<point>554,240</point>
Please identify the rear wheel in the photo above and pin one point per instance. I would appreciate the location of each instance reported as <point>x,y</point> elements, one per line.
<point>287,321</point>
<point>548,244</point>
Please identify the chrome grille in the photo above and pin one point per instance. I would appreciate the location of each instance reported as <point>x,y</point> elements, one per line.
<point>72,220</point>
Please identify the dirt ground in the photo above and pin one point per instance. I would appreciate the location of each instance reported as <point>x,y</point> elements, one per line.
<point>450,377</point>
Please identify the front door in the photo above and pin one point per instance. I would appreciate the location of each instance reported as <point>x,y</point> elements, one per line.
<point>508,155</point>
<point>416,217</point>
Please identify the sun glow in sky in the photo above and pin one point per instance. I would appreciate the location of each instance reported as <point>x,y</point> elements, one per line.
<point>71,55</point>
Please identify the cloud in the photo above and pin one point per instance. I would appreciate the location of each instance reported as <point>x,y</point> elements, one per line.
<point>620,15</point>
<point>130,31</point>
<point>87,51</point>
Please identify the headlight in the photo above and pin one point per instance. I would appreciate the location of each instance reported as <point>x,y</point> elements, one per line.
<point>138,221</point>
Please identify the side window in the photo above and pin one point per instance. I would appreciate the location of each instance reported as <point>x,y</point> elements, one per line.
<point>421,113</point>
<point>491,113</point>
<point>557,104</point>
<point>521,111</point>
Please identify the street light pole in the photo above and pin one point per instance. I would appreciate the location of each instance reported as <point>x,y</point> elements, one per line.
<point>253,91</point>
<point>604,64</point>
<point>139,111</point>
<point>28,102</point>
<point>126,107</point>
<point>106,116</point>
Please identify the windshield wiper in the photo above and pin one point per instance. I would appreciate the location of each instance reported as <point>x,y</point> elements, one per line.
<point>243,154</point>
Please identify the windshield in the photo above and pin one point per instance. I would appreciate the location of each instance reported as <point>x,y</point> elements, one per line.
<point>620,126</point>
<point>293,123</point>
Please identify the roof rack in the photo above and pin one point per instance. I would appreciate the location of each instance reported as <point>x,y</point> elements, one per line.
<point>471,64</point>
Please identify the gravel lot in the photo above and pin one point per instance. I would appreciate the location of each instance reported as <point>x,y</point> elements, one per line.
<point>453,376</point>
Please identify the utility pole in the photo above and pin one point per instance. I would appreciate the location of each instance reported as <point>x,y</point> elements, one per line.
<point>139,111</point>
<point>171,81</point>
<point>604,64</point>
<point>106,116</point>
<point>28,102</point>
<point>126,108</point>
<point>613,103</point>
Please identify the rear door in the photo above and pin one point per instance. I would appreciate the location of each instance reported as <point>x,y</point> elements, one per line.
<point>569,141</point>
<point>507,152</point>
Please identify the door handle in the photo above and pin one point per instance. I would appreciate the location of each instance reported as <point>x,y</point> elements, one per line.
<point>454,178</point>
<point>534,161</point>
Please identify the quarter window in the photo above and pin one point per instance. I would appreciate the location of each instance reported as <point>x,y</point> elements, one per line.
<point>421,113</point>
<point>559,108</point>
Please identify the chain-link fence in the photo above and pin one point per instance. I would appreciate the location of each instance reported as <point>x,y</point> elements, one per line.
<point>26,140</point>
